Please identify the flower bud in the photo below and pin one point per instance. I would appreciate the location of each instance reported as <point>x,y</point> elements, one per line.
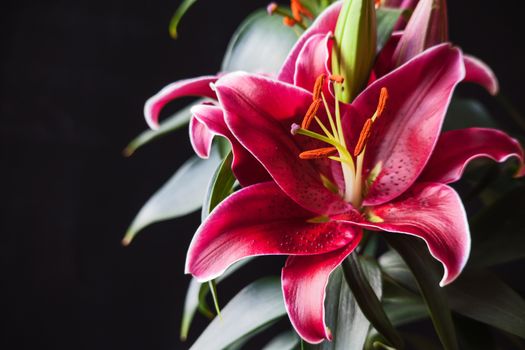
<point>438,27</point>
<point>428,26</point>
<point>354,47</point>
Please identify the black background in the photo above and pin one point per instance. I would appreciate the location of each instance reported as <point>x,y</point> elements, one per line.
<point>73,79</point>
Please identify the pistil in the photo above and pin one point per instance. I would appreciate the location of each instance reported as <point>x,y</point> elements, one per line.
<point>352,172</point>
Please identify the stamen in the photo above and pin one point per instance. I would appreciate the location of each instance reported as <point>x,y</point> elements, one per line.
<point>318,86</point>
<point>295,128</point>
<point>377,3</point>
<point>319,153</point>
<point>363,138</point>
<point>298,10</point>
<point>288,21</point>
<point>271,8</point>
<point>330,118</point>
<point>383,97</point>
<point>310,114</point>
<point>336,79</point>
<point>325,130</point>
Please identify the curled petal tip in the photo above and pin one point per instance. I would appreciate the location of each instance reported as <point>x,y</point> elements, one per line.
<point>151,118</point>
<point>480,73</point>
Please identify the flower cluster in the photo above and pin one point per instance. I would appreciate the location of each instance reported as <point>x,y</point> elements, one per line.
<point>316,170</point>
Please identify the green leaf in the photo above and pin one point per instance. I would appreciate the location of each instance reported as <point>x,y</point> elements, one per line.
<point>220,186</point>
<point>192,302</point>
<point>259,45</point>
<point>256,306</point>
<point>284,341</point>
<point>400,304</point>
<point>196,298</point>
<point>177,16</point>
<point>420,342</point>
<point>386,20</point>
<point>393,266</point>
<point>343,316</point>
<point>415,254</point>
<point>473,335</point>
<point>238,344</point>
<point>498,233</point>
<point>181,195</point>
<point>174,122</point>
<point>467,113</point>
<point>477,294</point>
<point>482,296</point>
<point>357,277</point>
<point>512,112</point>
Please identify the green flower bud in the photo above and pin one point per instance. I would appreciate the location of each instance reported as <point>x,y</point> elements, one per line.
<point>354,49</point>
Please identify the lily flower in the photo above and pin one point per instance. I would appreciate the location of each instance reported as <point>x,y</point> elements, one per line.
<point>310,57</point>
<point>379,163</point>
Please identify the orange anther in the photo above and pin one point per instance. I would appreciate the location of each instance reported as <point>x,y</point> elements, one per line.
<point>310,114</point>
<point>298,10</point>
<point>319,153</point>
<point>336,79</point>
<point>318,86</point>
<point>382,102</point>
<point>363,137</point>
<point>289,21</point>
<point>377,3</point>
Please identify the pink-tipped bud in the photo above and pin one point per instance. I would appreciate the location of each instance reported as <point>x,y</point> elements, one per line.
<point>271,8</point>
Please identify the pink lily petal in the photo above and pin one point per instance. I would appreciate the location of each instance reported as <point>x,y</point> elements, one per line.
<point>438,26</point>
<point>403,138</point>
<point>304,280</point>
<point>189,87</point>
<point>208,121</point>
<point>433,212</point>
<point>403,4</point>
<point>323,24</point>
<point>259,112</point>
<point>428,26</point>
<point>312,61</point>
<point>414,37</point>
<point>384,61</point>
<point>478,72</point>
<point>201,138</point>
<point>260,220</point>
<point>455,149</point>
